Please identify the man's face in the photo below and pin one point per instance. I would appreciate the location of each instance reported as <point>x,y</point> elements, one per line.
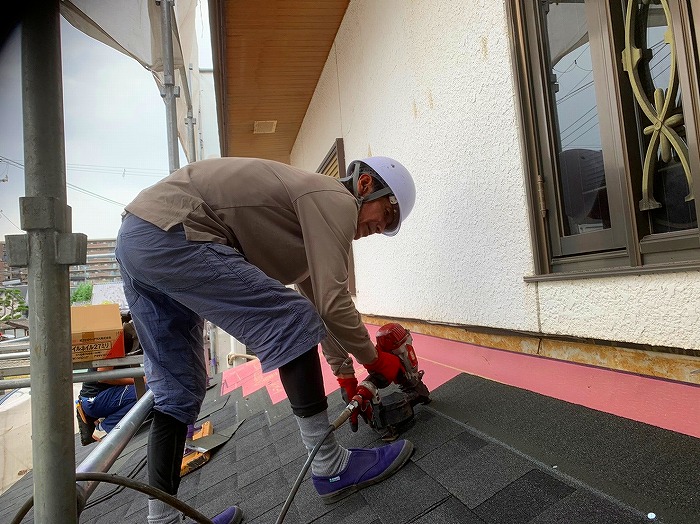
<point>374,217</point>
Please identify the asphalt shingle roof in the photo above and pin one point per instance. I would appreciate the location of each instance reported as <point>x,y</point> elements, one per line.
<point>485,453</point>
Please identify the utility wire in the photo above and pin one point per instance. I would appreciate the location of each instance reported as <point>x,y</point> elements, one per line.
<point>123,171</point>
<point>576,90</point>
<point>4,177</point>
<point>95,195</point>
<point>574,63</point>
<point>68,184</point>
<point>563,131</point>
<point>566,136</point>
<point>11,162</point>
<point>571,141</point>
<point>10,221</point>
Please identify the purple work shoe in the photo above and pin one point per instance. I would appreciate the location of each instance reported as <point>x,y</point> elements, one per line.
<point>365,467</point>
<point>232,515</point>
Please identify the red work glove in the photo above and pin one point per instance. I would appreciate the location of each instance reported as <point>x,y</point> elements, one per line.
<point>364,401</point>
<point>348,388</point>
<point>387,365</point>
<point>350,391</point>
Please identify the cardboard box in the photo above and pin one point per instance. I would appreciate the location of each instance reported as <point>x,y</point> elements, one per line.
<point>96,332</point>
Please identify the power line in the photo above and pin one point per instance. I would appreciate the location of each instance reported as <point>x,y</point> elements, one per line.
<point>120,168</point>
<point>574,63</point>
<point>10,221</point>
<point>123,171</point>
<point>12,163</point>
<point>562,133</point>
<point>567,135</point>
<point>95,195</point>
<point>662,71</point>
<point>575,91</point>
<point>68,184</point>
<point>579,135</point>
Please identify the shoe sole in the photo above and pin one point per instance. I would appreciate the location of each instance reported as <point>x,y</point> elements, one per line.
<point>398,463</point>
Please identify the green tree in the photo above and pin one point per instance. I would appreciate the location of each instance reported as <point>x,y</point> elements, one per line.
<point>83,293</point>
<point>12,304</point>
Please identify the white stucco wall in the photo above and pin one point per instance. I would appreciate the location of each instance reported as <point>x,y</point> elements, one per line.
<point>430,83</point>
<point>661,309</point>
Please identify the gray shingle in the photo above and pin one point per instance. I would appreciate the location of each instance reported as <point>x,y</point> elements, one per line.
<point>524,499</point>
<point>582,506</point>
<point>473,475</point>
<point>409,494</point>
<point>482,455</point>
<point>449,511</point>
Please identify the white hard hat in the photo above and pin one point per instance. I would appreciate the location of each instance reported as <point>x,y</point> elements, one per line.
<point>395,177</point>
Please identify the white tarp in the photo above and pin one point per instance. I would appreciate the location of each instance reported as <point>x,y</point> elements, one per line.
<point>134,28</point>
<point>567,27</point>
<point>209,145</point>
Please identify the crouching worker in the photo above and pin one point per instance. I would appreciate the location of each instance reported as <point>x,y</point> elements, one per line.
<point>219,240</point>
<point>108,399</point>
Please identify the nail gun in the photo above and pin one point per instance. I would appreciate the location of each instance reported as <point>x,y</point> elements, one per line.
<point>394,409</point>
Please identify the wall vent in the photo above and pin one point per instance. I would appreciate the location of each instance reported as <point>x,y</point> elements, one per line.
<point>264,126</point>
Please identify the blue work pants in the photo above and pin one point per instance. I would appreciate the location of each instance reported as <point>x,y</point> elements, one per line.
<point>172,284</point>
<point>111,404</point>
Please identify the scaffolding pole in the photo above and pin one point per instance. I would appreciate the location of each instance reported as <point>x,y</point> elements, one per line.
<point>190,120</point>
<point>47,250</point>
<point>169,91</point>
<point>108,450</point>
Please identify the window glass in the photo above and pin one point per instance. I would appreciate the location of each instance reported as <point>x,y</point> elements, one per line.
<point>582,188</point>
<point>610,99</point>
<point>664,150</point>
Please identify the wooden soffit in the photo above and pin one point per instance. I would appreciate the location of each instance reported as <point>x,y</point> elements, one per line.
<point>268,56</point>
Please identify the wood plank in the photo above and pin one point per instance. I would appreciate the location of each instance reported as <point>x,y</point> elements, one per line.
<point>195,459</point>
<point>275,51</point>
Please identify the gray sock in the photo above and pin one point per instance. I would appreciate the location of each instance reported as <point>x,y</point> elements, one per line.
<point>331,457</point>
<point>161,513</point>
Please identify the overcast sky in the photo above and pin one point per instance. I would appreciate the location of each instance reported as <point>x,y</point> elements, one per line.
<point>114,121</point>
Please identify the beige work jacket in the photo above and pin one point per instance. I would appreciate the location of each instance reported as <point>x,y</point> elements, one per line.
<point>294,225</point>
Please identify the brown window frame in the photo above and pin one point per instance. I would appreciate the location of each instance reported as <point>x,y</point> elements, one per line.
<point>337,154</point>
<point>627,247</point>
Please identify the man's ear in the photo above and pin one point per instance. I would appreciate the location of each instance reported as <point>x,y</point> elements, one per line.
<point>365,184</point>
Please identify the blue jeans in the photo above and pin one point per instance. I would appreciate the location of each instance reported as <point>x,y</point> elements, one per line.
<point>172,284</point>
<point>111,404</point>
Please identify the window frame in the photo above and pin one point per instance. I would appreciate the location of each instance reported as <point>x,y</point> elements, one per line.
<point>627,246</point>
<point>336,154</point>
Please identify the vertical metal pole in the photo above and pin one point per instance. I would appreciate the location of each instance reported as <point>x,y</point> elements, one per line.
<point>200,138</point>
<point>191,121</point>
<point>169,89</point>
<point>44,216</point>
